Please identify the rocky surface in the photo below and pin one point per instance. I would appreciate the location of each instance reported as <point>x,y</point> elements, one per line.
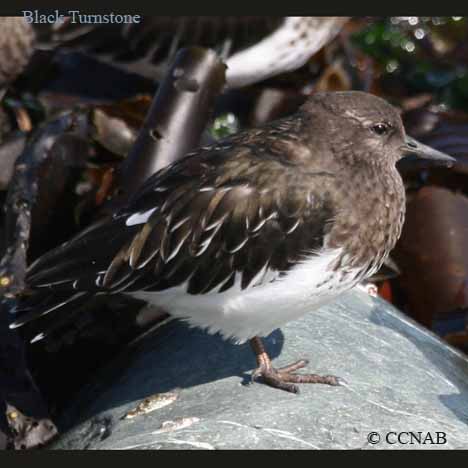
<point>398,378</point>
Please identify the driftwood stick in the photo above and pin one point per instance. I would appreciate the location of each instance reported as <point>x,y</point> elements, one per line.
<point>177,116</point>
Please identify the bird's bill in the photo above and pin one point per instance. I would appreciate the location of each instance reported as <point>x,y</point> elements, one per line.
<point>413,146</point>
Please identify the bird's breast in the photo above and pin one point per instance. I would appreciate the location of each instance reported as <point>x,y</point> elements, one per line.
<point>369,219</point>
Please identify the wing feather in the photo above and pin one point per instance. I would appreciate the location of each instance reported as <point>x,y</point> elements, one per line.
<point>208,221</point>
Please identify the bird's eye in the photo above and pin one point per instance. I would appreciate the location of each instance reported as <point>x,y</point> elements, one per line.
<point>380,128</point>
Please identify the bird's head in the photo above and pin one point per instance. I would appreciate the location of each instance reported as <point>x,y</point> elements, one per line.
<point>365,129</point>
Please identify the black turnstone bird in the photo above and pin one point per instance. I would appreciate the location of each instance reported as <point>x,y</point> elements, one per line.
<point>244,236</point>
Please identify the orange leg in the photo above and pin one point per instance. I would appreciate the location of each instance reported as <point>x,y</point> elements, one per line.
<point>284,378</point>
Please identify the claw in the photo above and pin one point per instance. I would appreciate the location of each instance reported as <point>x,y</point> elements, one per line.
<point>284,378</point>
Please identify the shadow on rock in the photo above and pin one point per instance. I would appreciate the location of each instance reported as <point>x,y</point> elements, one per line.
<point>173,357</point>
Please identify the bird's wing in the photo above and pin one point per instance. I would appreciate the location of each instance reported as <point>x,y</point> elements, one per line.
<point>203,222</point>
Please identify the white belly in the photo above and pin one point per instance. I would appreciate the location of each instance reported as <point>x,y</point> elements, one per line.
<point>257,311</point>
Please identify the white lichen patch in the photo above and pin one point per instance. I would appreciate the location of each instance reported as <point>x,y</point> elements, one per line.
<point>176,425</point>
<point>152,403</point>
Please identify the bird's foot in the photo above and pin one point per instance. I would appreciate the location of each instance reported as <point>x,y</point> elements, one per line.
<point>284,378</point>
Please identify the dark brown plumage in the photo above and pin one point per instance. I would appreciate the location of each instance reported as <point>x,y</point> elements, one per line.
<point>247,215</point>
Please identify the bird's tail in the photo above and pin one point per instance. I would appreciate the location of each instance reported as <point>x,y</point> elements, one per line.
<point>43,302</point>
<point>64,279</point>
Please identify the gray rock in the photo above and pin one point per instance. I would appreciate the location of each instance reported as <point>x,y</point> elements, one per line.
<point>398,378</point>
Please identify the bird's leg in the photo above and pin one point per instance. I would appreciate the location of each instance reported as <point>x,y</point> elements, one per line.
<point>284,378</point>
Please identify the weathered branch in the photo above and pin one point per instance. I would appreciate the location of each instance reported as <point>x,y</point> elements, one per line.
<point>177,116</point>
